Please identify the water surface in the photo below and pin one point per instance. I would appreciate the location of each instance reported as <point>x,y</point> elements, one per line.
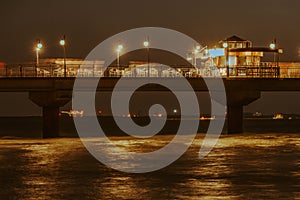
<point>248,166</point>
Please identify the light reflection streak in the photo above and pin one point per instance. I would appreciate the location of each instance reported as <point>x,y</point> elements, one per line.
<point>239,167</point>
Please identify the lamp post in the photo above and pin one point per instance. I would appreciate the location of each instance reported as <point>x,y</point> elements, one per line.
<point>225,46</point>
<point>196,51</point>
<point>146,45</point>
<point>37,49</point>
<point>119,49</point>
<point>273,47</point>
<point>62,42</point>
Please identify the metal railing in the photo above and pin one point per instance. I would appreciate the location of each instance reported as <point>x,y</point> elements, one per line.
<point>254,72</point>
<point>55,70</point>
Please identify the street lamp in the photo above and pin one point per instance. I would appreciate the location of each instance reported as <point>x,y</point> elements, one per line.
<point>225,44</point>
<point>37,49</point>
<point>62,42</point>
<point>146,45</point>
<point>273,47</point>
<point>119,49</point>
<point>196,51</point>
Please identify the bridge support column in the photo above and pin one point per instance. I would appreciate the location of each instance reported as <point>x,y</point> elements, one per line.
<point>50,102</point>
<point>50,121</point>
<point>236,100</point>
<point>235,119</point>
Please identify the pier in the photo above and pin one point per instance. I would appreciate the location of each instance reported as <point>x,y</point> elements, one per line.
<point>241,66</point>
<point>50,93</point>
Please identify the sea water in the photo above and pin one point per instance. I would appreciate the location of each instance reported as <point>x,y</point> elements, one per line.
<point>245,166</point>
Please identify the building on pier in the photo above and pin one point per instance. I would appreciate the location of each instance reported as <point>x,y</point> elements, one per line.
<point>235,56</point>
<point>289,69</point>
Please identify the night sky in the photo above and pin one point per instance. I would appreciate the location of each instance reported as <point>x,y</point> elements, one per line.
<point>87,23</point>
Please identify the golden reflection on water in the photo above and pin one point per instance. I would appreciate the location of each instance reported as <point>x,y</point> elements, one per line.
<point>264,166</point>
<point>141,145</point>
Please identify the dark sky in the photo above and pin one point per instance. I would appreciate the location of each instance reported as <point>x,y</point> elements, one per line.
<point>87,23</point>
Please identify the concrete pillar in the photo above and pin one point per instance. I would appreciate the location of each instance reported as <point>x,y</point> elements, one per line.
<point>50,102</point>
<point>235,119</point>
<point>236,100</point>
<point>50,121</point>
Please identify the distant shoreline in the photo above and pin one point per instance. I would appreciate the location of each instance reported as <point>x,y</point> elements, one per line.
<point>31,127</point>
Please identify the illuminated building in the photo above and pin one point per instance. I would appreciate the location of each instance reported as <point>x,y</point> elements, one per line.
<point>234,56</point>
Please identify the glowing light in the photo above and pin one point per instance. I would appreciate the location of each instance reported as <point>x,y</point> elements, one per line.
<point>37,49</point>
<point>62,42</point>
<point>198,47</point>
<point>146,44</point>
<point>39,45</point>
<point>196,51</point>
<point>120,47</point>
<point>225,44</point>
<point>272,45</point>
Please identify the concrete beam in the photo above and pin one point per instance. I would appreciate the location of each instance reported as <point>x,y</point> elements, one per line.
<point>107,84</point>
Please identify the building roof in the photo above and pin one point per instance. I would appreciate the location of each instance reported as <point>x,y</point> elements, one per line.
<point>235,38</point>
<point>256,49</point>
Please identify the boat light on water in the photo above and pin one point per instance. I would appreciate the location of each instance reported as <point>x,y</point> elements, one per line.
<point>278,116</point>
<point>73,113</point>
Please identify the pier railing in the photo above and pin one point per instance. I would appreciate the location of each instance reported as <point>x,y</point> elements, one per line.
<point>72,70</point>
